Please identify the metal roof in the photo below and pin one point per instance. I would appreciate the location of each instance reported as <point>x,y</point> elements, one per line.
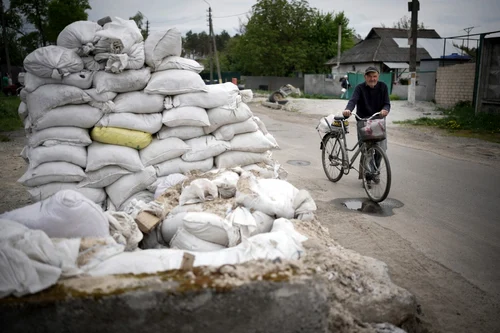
<point>396,64</point>
<point>433,46</point>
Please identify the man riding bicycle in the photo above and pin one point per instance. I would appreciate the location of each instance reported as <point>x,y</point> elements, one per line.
<point>370,97</point>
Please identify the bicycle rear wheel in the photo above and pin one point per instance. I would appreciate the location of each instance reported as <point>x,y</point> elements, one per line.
<point>376,173</point>
<point>332,156</point>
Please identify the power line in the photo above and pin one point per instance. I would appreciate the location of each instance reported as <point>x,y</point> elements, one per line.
<point>230,15</point>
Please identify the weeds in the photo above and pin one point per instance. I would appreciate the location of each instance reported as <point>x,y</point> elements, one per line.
<point>9,118</point>
<point>461,120</point>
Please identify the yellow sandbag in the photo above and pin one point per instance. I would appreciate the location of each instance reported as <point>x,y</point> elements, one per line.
<point>122,137</point>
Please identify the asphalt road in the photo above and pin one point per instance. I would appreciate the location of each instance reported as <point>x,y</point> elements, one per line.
<point>443,243</point>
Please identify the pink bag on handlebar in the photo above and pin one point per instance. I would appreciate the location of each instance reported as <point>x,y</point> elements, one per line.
<point>372,130</point>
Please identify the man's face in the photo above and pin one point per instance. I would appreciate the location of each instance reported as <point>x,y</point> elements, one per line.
<point>371,79</point>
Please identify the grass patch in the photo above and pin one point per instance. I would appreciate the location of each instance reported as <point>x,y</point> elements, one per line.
<point>461,120</point>
<point>9,118</point>
<point>393,97</point>
<point>314,96</point>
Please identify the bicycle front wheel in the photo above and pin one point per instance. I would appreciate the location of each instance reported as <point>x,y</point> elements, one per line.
<point>377,173</point>
<point>332,156</point>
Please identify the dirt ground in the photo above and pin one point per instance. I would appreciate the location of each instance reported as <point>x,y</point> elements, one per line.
<point>462,302</point>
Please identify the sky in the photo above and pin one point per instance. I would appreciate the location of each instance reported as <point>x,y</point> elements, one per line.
<point>448,17</point>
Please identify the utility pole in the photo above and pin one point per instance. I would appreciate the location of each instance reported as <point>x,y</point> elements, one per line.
<point>338,48</point>
<point>468,30</point>
<point>413,7</point>
<point>5,41</point>
<point>211,28</point>
<point>147,28</point>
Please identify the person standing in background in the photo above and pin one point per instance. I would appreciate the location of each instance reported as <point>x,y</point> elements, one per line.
<point>344,83</point>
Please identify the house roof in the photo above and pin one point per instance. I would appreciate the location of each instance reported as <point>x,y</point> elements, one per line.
<point>379,46</point>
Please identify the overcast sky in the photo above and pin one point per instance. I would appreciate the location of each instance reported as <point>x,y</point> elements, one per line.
<point>447,17</point>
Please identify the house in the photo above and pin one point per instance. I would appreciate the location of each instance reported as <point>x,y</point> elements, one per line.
<point>387,49</point>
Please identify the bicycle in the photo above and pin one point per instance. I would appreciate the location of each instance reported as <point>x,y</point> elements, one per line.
<point>375,169</point>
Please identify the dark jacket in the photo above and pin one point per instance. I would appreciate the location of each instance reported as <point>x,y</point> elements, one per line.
<point>369,100</point>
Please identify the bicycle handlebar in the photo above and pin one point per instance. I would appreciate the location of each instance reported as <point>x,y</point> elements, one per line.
<point>373,115</point>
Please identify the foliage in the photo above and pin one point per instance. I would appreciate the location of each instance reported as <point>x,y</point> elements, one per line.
<point>462,120</point>
<point>63,12</point>
<point>9,118</point>
<point>284,37</point>
<point>470,51</point>
<point>405,24</point>
<point>138,18</point>
<point>393,97</point>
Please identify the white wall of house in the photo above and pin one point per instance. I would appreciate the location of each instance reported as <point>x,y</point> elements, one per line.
<point>358,68</point>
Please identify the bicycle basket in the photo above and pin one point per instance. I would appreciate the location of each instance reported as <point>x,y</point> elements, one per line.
<point>372,130</point>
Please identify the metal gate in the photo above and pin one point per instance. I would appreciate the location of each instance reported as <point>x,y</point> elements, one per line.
<point>356,78</point>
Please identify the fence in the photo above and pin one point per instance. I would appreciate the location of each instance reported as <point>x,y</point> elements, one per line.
<point>455,84</point>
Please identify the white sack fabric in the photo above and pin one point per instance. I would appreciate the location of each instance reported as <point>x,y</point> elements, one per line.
<point>101,155</point>
<point>53,136</point>
<point>175,82</point>
<point>124,32</point>
<point>130,184</point>
<point>204,147</point>
<point>81,115</point>
<point>177,165</point>
<point>82,80</point>
<point>181,132</point>
<point>30,261</point>
<point>185,116</point>
<point>149,123</point>
<point>176,62</point>
<point>222,116</point>
<point>161,44</point>
<point>52,172</point>
<point>129,80</point>
<point>138,102</point>
<point>224,94</point>
<point>163,150</point>
<point>53,62</point>
<point>60,153</point>
<point>66,214</point>
<point>79,36</point>
<point>96,195</point>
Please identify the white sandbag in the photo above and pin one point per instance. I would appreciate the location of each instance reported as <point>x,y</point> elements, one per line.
<point>89,63</point>
<point>123,31</point>
<point>77,35</point>
<point>263,222</point>
<point>286,226</point>
<point>161,44</point>
<point>53,62</point>
<point>101,155</point>
<point>115,63</point>
<point>138,102</point>
<point>54,136</point>
<point>261,125</point>
<point>185,116</point>
<point>176,62</point>
<point>231,159</point>
<point>209,227</point>
<point>50,96</point>
<point>171,224</point>
<point>82,80</point>
<point>200,190</point>
<point>222,116</point>
<point>254,142</point>
<point>273,141</point>
<point>22,111</point>
<point>177,165</point>
<point>82,115</point>
<point>136,56</point>
<point>130,184</point>
<point>227,132</point>
<point>38,193</point>
<point>184,240</point>
<point>124,230</point>
<point>66,214</point>
<point>163,150</point>
<point>243,222</point>
<point>128,80</point>
<point>130,204</point>
<point>52,172</point>
<point>246,95</point>
<point>273,197</point>
<point>100,97</point>
<point>226,184</point>
<point>187,208</point>
<point>175,82</point>
<point>216,95</point>
<point>164,183</point>
<point>30,261</point>
<point>60,153</point>
<point>181,132</point>
<point>23,95</point>
<point>103,177</point>
<point>149,122</point>
<point>204,147</point>
<point>304,206</point>
<point>267,171</point>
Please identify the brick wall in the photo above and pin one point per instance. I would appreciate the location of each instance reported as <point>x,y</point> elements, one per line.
<point>455,84</point>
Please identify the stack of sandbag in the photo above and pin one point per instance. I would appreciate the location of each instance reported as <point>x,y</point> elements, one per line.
<point>110,115</point>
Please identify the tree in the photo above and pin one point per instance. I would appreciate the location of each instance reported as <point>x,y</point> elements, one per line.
<point>62,13</point>
<point>283,37</point>
<point>139,20</point>
<point>36,13</point>
<point>405,23</point>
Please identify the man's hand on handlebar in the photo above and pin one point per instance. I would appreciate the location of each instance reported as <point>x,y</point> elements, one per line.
<point>346,113</point>
<point>384,113</point>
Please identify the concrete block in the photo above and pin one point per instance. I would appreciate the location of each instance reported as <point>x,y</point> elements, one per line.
<point>160,306</point>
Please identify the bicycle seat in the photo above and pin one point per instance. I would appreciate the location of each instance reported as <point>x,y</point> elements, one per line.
<point>339,117</point>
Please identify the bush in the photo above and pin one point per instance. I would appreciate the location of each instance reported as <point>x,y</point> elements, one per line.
<point>9,118</point>
<point>393,97</point>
